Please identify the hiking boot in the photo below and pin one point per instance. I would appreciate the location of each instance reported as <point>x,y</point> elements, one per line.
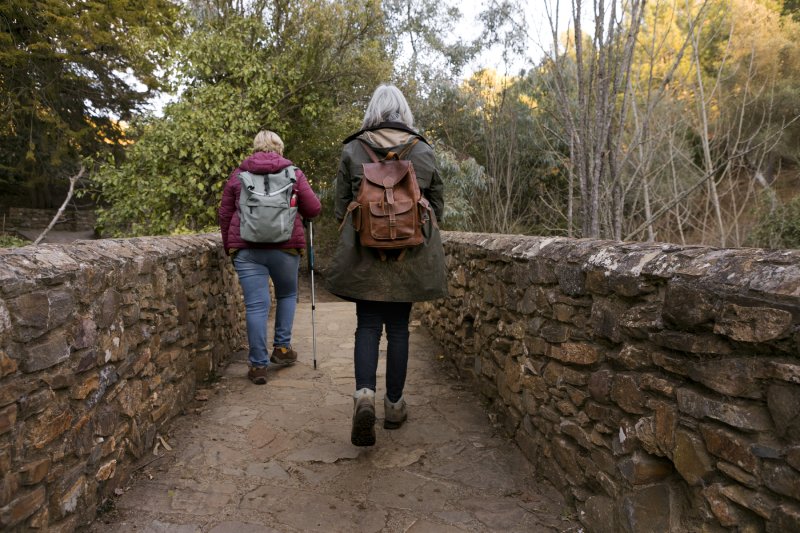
<point>283,355</point>
<point>363,432</point>
<point>395,413</point>
<point>257,374</point>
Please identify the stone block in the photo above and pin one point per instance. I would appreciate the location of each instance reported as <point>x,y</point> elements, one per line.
<point>652,508</point>
<point>784,518</point>
<point>107,308</point>
<point>7,364</point>
<point>732,376</point>
<point>781,478</point>
<point>23,506</point>
<point>671,362</point>
<point>571,279</point>
<point>728,514</point>
<point>748,416</point>
<point>563,312</point>
<point>686,305</point>
<point>5,459</point>
<point>564,454</point>
<point>58,379</point>
<point>690,458</point>
<point>576,396</point>
<point>699,343</point>
<point>566,408</point>
<point>607,414</point>
<point>35,402</point>
<point>605,319</point>
<point>626,393</point>
<point>85,334</point>
<point>733,447</point>
<point>35,471</point>
<point>68,502</point>
<point>632,357</point>
<point>555,332</point>
<point>597,282</point>
<point>659,384</point>
<point>575,353</point>
<point>106,470</point>
<point>9,487</point>
<point>555,374</point>
<point>105,420</point>
<point>48,427</point>
<point>599,515</point>
<point>568,427</point>
<point>642,468</point>
<point>793,457</point>
<point>783,400</point>
<point>738,474</point>
<point>758,502</point>
<point>645,432</point>
<point>629,285</point>
<point>8,417</point>
<point>45,352</point>
<point>600,385</point>
<point>29,312</point>
<point>641,320</point>
<point>604,460</point>
<point>785,370</point>
<point>753,324</point>
<point>86,386</point>
<point>665,424</point>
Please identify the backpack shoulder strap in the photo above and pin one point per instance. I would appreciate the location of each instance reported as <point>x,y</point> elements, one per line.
<point>407,150</point>
<point>369,151</point>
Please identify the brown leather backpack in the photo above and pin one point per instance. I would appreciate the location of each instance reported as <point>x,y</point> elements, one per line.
<point>389,210</point>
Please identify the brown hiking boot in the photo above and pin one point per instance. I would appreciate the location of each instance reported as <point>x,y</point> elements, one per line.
<point>257,374</point>
<point>283,355</point>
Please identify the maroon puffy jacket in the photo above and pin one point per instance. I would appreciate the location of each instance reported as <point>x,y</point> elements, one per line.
<point>308,205</point>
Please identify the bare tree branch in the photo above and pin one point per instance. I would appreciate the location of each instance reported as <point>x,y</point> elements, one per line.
<point>72,181</point>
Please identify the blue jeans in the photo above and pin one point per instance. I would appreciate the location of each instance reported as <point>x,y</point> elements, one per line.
<point>371,317</point>
<point>255,267</point>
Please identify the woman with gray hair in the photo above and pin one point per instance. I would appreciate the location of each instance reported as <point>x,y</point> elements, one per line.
<point>384,284</point>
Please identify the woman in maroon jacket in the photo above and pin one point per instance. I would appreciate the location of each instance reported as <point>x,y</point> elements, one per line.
<point>256,262</point>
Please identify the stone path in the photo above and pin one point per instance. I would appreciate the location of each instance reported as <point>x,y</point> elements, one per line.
<point>278,458</point>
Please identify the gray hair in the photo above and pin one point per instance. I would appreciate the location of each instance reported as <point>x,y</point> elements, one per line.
<point>387,105</point>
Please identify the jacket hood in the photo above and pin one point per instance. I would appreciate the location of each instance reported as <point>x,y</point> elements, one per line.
<point>265,163</point>
<point>386,138</point>
<point>400,127</point>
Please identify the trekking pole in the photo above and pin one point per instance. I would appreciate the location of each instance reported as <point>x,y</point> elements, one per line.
<point>313,297</point>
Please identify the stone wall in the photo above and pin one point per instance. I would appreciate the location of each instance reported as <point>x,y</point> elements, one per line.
<point>656,385</point>
<point>101,343</point>
<point>27,218</point>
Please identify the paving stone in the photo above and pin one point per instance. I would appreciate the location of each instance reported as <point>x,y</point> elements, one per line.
<point>278,457</point>
<point>240,527</point>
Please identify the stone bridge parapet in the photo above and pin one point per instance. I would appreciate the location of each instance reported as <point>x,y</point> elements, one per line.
<point>657,385</point>
<point>101,343</point>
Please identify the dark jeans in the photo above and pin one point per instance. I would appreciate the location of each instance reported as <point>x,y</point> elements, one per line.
<point>372,316</point>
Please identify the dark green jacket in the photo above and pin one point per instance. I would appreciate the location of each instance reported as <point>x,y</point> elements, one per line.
<point>357,272</point>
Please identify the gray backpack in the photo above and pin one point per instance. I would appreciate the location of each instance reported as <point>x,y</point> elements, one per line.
<point>265,210</point>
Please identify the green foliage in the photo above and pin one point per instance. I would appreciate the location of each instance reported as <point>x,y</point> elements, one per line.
<point>299,78</point>
<point>68,72</point>
<point>463,179</point>
<point>10,241</point>
<point>779,228</point>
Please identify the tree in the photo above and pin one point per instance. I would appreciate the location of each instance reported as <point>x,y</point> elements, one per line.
<point>303,69</point>
<point>594,107</point>
<point>69,73</point>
